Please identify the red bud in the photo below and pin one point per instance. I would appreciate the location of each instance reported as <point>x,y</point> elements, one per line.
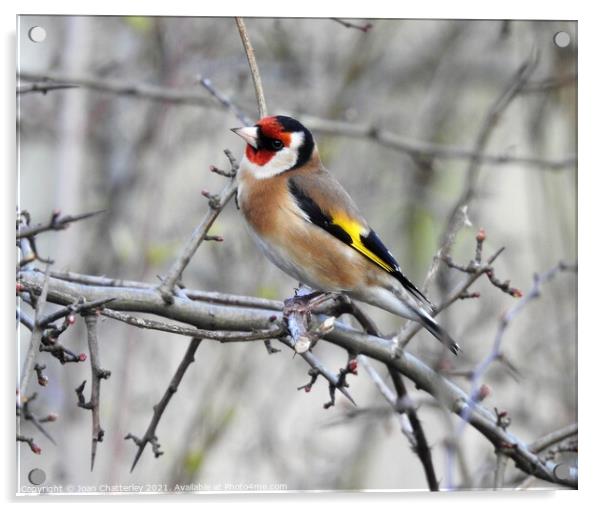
<point>484,392</point>
<point>82,357</point>
<point>71,319</point>
<point>52,417</point>
<point>481,236</point>
<point>352,366</point>
<point>36,448</point>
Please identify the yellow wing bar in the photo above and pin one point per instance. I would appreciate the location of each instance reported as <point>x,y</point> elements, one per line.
<point>355,230</point>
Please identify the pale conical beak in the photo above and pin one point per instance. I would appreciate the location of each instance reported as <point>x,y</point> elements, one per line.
<point>249,134</point>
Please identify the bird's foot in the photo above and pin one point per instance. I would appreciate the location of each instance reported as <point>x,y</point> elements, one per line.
<point>297,313</point>
<point>306,303</point>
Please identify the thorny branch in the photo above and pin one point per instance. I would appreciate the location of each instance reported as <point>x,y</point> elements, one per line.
<point>97,375</point>
<point>474,269</point>
<point>206,314</point>
<point>150,435</point>
<point>494,355</point>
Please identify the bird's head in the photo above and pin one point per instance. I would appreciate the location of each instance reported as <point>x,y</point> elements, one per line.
<point>276,144</point>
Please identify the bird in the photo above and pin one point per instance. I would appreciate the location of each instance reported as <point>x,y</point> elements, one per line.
<point>307,224</point>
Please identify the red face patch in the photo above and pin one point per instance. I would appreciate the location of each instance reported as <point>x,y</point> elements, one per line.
<point>272,129</point>
<point>259,156</point>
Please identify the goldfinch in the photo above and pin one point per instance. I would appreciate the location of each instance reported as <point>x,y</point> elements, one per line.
<point>308,226</point>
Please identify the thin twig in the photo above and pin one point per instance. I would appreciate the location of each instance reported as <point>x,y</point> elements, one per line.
<point>217,204</point>
<point>56,223</point>
<point>43,87</point>
<point>347,24</point>
<point>318,368</point>
<point>495,351</point>
<point>423,450</point>
<point>78,307</point>
<point>423,149</point>
<point>505,321</point>
<point>411,329</point>
<point>246,42</point>
<point>228,104</point>
<point>492,117</point>
<point>120,87</point>
<point>150,436</point>
<point>553,438</point>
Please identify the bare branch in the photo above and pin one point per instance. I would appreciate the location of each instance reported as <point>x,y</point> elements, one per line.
<point>43,87</point>
<point>246,42</point>
<point>553,438</point>
<point>120,87</point>
<point>228,104</point>
<point>422,149</point>
<point>363,28</point>
<point>492,117</point>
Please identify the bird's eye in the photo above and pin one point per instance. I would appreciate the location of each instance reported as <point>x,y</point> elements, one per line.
<point>277,144</point>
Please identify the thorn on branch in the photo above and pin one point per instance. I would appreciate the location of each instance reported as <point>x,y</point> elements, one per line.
<point>502,418</point>
<point>313,374</point>
<point>270,349</point>
<point>208,237</point>
<point>466,295</point>
<point>35,448</point>
<point>153,440</point>
<point>42,378</point>
<point>81,400</point>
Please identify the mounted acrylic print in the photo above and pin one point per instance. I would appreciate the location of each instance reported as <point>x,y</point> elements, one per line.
<point>270,255</point>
